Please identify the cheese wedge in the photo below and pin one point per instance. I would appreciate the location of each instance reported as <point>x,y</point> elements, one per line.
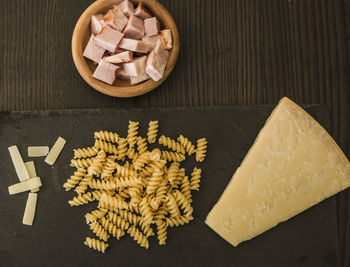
<point>293,164</point>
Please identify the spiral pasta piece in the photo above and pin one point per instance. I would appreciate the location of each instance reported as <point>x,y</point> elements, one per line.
<point>112,203</point>
<point>172,206</point>
<point>122,148</point>
<point>74,179</point>
<point>117,220</point>
<point>102,184</point>
<point>132,133</point>
<point>186,144</point>
<point>96,244</point>
<point>135,195</point>
<point>195,179</point>
<point>94,215</point>
<point>85,152</point>
<point>186,188</point>
<point>138,237</point>
<point>107,136</point>
<point>83,185</point>
<point>132,154</point>
<point>123,193</point>
<point>161,213</point>
<point>152,132</point>
<point>111,228</point>
<point>156,179</point>
<point>176,221</point>
<point>106,146</point>
<point>173,156</point>
<point>99,231</point>
<point>183,203</point>
<point>201,149</point>
<point>81,163</point>
<point>132,218</point>
<point>129,181</point>
<point>97,163</point>
<point>172,172</point>
<point>172,144</point>
<point>125,171</point>
<point>161,231</point>
<point>108,169</point>
<point>81,199</point>
<point>146,211</point>
<point>142,160</point>
<point>155,155</point>
<point>97,194</point>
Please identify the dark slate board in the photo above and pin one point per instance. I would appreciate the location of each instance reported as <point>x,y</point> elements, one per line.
<point>56,238</point>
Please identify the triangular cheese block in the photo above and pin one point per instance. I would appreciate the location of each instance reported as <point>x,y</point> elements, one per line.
<point>293,164</point>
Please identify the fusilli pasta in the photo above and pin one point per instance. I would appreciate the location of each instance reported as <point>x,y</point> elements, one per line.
<point>96,244</point>
<point>152,132</point>
<point>201,149</point>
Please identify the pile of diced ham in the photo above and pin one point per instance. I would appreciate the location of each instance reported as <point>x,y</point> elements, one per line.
<point>127,44</point>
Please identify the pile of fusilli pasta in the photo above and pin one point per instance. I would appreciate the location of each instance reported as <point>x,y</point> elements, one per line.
<point>149,187</point>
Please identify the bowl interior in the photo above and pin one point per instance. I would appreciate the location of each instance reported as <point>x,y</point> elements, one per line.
<point>86,67</point>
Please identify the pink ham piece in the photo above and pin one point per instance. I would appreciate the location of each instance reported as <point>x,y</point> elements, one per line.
<point>151,40</point>
<point>109,38</point>
<point>127,8</point>
<point>135,28</point>
<point>97,23</point>
<point>122,75</point>
<point>134,45</point>
<point>93,51</point>
<point>138,79</point>
<point>116,19</point>
<point>123,57</point>
<point>142,12</point>
<point>106,72</point>
<point>136,67</point>
<point>151,26</point>
<point>157,61</point>
<point>167,39</point>
<point>119,50</point>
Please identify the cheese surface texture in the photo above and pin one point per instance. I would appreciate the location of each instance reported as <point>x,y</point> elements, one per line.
<point>293,164</point>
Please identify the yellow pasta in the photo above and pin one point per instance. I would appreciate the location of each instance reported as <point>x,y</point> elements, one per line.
<point>132,133</point>
<point>99,231</point>
<point>201,149</point>
<point>96,244</point>
<point>148,193</point>
<point>107,136</point>
<point>85,152</point>
<point>152,132</point>
<point>81,199</point>
<point>172,144</point>
<point>186,144</point>
<point>195,178</point>
<point>74,179</point>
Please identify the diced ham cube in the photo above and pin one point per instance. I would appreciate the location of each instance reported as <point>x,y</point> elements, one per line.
<point>136,67</point>
<point>151,40</point>
<point>167,39</point>
<point>122,75</point>
<point>97,23</point>
<point>109,38</point>
<point>156,62</point>
<point>140,78</point>
<point>135,28</point>
<point>106,72</point>
<point>116,19</point>
<point>134,45</point>
<point>142,12</point>
<point>123,57</point>
<point>127,8</point>
<point>151,26</point>
<point>93,51</point>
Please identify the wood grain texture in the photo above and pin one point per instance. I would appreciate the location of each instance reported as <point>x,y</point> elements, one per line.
<point>233,52</point>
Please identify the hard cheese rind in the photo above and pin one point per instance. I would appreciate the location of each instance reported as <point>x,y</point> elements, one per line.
<point>293,164</point>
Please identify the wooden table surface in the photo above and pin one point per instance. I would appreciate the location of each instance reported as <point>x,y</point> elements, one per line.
<point>233,52</point>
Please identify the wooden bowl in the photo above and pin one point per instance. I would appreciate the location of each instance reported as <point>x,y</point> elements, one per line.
<point>86,67</point>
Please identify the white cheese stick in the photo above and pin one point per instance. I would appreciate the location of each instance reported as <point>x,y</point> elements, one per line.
<point>55,151</point>
<point>18,163</point>
<point>29,212</point>
<point>25,186</point>
<point>38,151</point>
<point>32,172</point>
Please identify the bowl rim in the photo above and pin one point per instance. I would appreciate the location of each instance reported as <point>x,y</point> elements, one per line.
<point>113,90</point>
